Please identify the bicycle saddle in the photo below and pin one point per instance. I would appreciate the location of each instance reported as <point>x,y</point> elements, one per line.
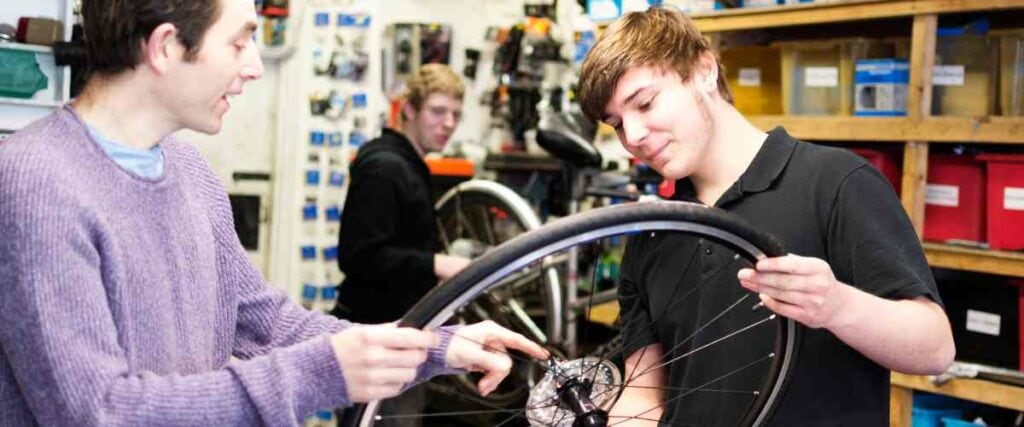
<point>562,136</point>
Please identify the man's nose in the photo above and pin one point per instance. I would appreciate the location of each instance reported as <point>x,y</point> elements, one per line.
<point>634,133</point>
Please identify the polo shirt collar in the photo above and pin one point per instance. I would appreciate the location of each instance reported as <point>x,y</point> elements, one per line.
<point>768,164</point>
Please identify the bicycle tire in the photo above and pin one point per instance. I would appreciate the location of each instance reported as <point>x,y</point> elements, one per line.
<point>721,226</point>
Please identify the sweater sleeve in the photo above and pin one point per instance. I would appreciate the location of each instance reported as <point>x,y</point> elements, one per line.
<point>368,239</point>
<point>63,347</point>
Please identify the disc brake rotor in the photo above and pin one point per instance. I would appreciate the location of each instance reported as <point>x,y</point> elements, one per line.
<point>598,379</point>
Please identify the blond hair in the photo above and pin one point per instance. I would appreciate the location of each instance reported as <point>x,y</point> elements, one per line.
<point>432,78</point>
<point>659,37</point>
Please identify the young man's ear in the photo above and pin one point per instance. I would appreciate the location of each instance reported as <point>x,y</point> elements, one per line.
<point>408,110</point>
<point>707,72</point>
<point>162,48</point>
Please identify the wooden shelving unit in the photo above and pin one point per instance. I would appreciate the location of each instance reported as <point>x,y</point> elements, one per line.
<point>983,391</point>
<point>989,130</point>
<point>842,11</point>
<point>915,132</point>
<point>977,260</point>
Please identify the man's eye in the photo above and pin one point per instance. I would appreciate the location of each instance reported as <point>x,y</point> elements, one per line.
<point>646,105</point>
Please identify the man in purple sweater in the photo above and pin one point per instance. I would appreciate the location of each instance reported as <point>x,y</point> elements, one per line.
<point>125,296</point>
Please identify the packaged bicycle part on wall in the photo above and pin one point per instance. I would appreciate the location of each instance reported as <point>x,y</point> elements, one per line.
<point>20,75</point>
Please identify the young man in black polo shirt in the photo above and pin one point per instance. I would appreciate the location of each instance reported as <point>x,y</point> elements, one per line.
<point>856,279</point>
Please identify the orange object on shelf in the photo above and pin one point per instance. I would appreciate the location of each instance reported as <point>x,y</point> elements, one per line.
<point>448,166</point>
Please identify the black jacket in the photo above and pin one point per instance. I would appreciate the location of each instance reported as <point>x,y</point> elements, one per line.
<point>388,232</point>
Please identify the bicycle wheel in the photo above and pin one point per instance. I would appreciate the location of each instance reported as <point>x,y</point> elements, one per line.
<point>483,214</point>
<point>473,217</point>
<point>763,370</point>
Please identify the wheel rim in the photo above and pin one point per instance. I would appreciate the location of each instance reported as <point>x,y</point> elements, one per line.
<point>443,303</point>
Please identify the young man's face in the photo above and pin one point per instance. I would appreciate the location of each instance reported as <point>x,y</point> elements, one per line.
<point>198,92</point>
<point>661,120</point>
<point>434,123</point>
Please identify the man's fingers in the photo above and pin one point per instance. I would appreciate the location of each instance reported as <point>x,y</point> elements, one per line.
<point>781,308</point>
<point>403,338</point>
<point>509,339</point>
<point>389,376</point>
<point>759,279</point>
<point>792,264</point>
<point>395,358</point>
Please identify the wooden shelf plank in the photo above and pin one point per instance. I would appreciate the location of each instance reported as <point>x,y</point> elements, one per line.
<point>977,260</point>
<point>854,10</point>
<point>987,392</point>
<point>993,129</point>
<point>838,128</point>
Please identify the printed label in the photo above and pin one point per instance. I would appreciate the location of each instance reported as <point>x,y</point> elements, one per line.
<point>750,77</point>
<point>948,75</point>
<point>983,323</point>
<point>1013,199</point>
<point>821,76</point>
<point>942,195</point>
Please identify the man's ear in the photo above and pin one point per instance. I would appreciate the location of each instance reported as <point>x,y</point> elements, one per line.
<point>162,48</point>
<point>707,72</point>
<point>408,110</point>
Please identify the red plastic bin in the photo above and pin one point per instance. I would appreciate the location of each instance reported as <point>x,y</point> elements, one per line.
<point>887,162</point>
<point>955,199</point>
<point>1005,195</point>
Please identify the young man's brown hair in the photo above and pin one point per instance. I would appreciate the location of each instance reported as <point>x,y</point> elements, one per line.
<point>433,78</point>
<point>115,30</point>
<point>659,36</point>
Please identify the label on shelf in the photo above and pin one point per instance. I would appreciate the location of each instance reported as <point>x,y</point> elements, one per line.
<point>1013,199</point>
<point>750,77</point>
<point>983,323</point>
<point>942,195</point>
<point>821,76</point>
<point>948,75</point>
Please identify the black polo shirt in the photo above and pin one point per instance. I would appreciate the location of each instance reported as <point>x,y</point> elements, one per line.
<point>818,201</point>
<point>388,232</point>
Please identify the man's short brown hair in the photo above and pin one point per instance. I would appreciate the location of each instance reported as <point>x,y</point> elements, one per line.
<point>433,78</point>
<point>115,30</point>
<point>659,37</point>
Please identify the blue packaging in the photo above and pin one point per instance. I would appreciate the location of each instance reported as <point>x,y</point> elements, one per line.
<point>880,87</point>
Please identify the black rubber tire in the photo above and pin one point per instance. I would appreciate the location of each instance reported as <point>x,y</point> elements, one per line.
<point>646,216</point>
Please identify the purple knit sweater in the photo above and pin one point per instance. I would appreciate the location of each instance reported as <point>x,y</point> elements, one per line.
<point>122,299</point>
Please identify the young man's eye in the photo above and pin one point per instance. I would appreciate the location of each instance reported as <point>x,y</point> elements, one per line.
<point>646,105</point>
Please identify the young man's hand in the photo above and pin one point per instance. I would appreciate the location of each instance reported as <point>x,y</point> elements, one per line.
<point>483,347</point>
<point>801,288</point>
<point>446,266</point>
<point>377,361</point>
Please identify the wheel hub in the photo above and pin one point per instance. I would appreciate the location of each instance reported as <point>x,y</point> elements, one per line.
<point>574,393</point>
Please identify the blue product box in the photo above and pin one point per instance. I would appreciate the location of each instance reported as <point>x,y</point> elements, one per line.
<point>337,179</point>
<point>333,213</point>
<point>355,139</point>
<point>330,253</point>
<point>322,19</point>
<point>336,139</point>
<point>308,292</point>
<point>309,212</point>
<point>312,177</point>
<point>880,87</point>
<point>316,138</point>
<point>359,100</point>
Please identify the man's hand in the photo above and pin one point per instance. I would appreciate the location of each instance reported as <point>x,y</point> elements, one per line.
<point>801,288</point>
<point>483,347</point>
<point>446,266</point>
<point>378,360</point>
